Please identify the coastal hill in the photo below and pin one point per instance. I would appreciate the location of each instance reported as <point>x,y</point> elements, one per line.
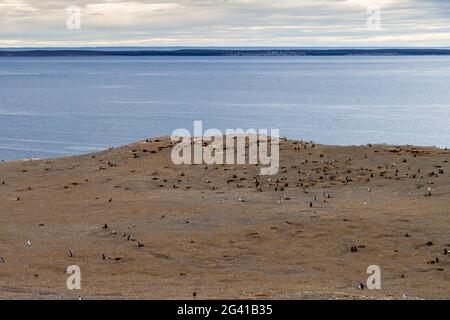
<point>223,52</point>
<point>139,226</point>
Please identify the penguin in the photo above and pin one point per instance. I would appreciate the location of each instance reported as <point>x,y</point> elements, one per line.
<point>70,253</point>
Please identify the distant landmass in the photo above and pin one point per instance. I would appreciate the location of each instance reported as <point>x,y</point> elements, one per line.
<point>221,52</point>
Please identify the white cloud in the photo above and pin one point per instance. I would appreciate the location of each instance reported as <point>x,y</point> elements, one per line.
<point>128,7</point>
<point>224,22</point>
<point>15,7</point>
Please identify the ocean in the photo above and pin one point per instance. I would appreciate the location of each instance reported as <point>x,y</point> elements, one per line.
<point>53,107</point>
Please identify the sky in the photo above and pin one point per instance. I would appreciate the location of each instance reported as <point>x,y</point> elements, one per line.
<point>273,23</point>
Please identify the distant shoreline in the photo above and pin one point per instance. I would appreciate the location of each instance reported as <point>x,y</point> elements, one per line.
<point>222,52</point>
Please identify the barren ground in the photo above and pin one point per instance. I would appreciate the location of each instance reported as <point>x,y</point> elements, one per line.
<point>214,231</point>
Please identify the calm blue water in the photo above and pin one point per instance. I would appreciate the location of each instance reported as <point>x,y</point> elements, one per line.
<point>52,107</point>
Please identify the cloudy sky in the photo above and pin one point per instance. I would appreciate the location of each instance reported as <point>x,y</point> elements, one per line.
<point>299,23</point>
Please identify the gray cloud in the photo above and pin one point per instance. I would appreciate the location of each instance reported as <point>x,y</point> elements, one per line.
<point>225,22</point>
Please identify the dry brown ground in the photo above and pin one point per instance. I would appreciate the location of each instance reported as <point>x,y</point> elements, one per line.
<point>203,239</point>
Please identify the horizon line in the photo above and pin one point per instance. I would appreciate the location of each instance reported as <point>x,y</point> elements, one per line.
<point>225,47</point>
<point>219,51</point>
